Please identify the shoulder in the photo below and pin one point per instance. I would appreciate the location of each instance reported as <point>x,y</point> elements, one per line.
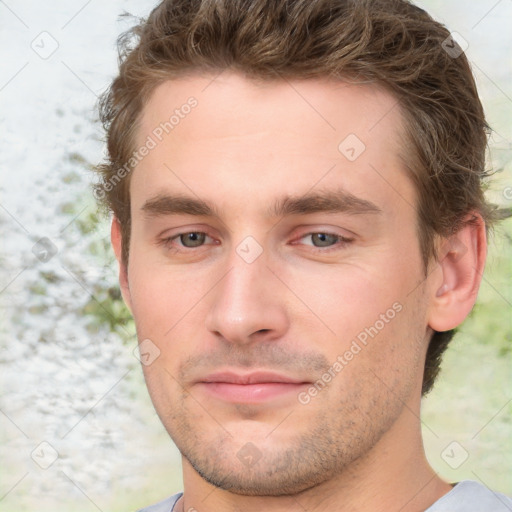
<point>166,505</point>
<point>470,496</point>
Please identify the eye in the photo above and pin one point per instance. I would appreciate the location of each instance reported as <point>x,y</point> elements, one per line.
<point>323,242</point>
<point>189,240</point>
<point>323,239</point>
<point>193,239</point>
<point>326,240</point>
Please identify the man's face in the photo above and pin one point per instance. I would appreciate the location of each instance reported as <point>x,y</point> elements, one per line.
<point>283,285</point>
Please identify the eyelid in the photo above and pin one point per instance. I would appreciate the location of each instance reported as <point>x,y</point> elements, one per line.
<point>331,230</point>
<point>342,239</point>
<point>178,236</point>
<point>171,232</point>
<point>340,243</point>
<point>167,239</point>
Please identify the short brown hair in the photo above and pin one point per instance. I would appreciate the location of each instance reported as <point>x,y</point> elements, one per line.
<point>388,42</point>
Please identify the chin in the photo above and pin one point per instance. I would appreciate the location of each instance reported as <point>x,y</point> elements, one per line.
<point>276,467</point>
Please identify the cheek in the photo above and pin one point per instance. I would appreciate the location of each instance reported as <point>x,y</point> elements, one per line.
<point>369,319</point>
<point>162,296</point>
<point>395,341</point>
<point>346,299</point>
<point>381,364</point>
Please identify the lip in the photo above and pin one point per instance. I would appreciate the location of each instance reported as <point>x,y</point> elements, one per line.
<point>260,377</point>
<point>254,387</point>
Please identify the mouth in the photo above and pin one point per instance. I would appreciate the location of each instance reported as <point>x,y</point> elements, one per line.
<point>255,387</point>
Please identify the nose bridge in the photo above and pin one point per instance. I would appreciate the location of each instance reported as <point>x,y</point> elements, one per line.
<point>242,283</point>
<point>245,301</point>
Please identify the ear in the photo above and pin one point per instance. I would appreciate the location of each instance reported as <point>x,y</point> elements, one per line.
<point>117,245</point>
<point>457,279</point>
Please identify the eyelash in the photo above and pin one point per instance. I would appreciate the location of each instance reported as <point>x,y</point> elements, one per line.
<point>339,244</point>
<point>341,241</point>
<point>168,241</point>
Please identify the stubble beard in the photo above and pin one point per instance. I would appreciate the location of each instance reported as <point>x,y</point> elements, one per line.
<point>330,445</point>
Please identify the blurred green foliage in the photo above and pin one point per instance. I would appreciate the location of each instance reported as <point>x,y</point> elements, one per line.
<point>490,322</point>
<point>105,307</point>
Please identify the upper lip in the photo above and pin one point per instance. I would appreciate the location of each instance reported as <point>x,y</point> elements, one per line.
<point>259,377</point>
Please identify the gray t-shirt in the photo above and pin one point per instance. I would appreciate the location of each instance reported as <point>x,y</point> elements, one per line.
<point>466,496</point>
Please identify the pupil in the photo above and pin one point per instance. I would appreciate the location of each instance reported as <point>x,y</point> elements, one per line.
<point>192,239</point>
<point>323,239</point>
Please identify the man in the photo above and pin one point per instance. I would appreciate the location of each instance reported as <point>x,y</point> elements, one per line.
<point>300,225</point>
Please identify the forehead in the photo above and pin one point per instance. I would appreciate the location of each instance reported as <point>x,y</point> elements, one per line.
<point>254,138</point>
<point>227,101</point>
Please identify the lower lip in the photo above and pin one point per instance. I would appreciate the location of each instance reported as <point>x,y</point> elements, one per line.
<point>250,393</point>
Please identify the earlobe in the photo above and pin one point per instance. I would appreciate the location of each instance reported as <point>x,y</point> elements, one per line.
<point>461,264</point>
<point>117,245</point>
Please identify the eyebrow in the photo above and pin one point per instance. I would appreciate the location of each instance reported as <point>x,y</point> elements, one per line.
<point>339,201</point>
<point>164,204</point>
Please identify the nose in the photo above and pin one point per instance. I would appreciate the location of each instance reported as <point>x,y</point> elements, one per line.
<point>248,304</point>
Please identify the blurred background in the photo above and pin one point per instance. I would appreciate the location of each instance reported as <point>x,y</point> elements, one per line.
<point>77,429</point>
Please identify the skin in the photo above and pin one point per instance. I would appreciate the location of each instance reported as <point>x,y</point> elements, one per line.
<point>356,445</point>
